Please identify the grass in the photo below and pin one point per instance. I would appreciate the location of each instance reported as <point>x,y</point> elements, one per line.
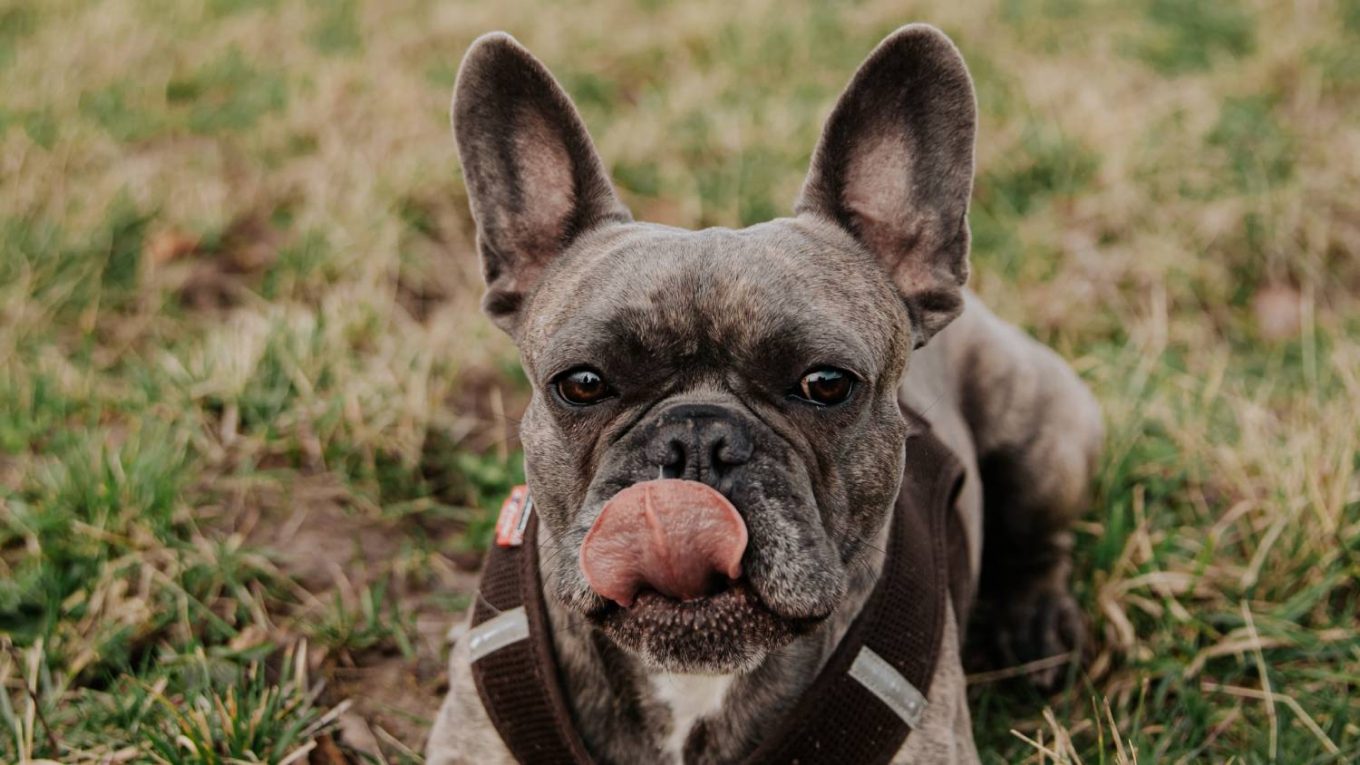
<point>252,424</point>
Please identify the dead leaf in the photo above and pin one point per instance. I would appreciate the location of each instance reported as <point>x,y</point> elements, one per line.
<point>166,246</point>
<point>327,752</point>
<point>1277,309</point>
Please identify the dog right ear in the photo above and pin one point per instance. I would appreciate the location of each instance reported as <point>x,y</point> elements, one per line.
<point>895,168</point>
<point>534,180</point>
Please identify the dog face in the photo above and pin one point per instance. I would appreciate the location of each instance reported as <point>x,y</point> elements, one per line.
<point>759,365</point>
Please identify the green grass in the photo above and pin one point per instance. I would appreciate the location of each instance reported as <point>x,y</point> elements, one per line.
<point>252,425</point>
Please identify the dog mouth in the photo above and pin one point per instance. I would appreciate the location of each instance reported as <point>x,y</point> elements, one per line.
<point>729,630</point>
<point>665,558</point>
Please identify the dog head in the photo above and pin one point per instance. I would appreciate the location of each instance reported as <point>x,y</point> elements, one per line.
<point>714,439</point>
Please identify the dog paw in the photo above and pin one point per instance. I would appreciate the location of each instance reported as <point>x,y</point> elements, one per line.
<point>1042,627</point>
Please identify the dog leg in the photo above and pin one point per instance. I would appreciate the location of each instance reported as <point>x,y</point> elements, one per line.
<point>1038,434</point>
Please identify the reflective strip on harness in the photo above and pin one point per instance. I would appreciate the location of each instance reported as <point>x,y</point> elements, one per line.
<point>875,673</point>
<point>498,632</point>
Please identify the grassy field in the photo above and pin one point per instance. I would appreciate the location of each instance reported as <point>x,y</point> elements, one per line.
<point>252,424</point>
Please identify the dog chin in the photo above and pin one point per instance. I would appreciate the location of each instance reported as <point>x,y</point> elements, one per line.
<point>729,631</point>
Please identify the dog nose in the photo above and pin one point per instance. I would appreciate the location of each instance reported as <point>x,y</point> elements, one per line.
<point>699,442</point>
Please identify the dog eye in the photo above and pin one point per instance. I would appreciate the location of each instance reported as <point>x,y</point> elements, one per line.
<point>825,386</point>
<point>582,387</point>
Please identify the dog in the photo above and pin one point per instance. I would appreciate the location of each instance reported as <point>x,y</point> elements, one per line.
<point>767,371</point>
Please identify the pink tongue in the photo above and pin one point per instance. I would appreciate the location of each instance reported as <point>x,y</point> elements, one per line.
<point>674,536</point>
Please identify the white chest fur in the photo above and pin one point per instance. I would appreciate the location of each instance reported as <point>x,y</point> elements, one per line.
<point>689,698</point>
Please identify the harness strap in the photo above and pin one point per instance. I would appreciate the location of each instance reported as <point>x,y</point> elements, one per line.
<point>844,716</point>
<point>860,708</point>
<point>518,680</point>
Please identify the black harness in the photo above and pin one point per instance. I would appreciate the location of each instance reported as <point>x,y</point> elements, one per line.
<point>859,709</point>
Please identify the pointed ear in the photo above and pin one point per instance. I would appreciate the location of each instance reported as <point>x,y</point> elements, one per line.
<point>533,178</point>
<point>894,167</point>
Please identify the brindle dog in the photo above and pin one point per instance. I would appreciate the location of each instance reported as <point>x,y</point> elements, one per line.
<point>768,362</point>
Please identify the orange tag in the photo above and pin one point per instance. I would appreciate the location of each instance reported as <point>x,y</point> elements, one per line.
<point>514,517</point>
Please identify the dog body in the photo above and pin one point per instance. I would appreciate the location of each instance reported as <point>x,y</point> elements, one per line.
<point>769,364</point>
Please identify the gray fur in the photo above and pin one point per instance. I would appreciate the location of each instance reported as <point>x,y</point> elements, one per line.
<point>711,329</point>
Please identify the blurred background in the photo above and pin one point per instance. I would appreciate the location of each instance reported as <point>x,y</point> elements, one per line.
<point>253,427</point>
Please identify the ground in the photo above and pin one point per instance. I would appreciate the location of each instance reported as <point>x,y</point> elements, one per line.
<point>252,425</point>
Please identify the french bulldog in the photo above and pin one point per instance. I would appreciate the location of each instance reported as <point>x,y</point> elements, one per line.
<point>763,372</point>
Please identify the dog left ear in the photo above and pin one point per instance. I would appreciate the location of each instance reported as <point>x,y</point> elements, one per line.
<point>894,167</point>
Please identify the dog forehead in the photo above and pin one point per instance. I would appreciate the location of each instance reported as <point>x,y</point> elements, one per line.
<point>735,287</point>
